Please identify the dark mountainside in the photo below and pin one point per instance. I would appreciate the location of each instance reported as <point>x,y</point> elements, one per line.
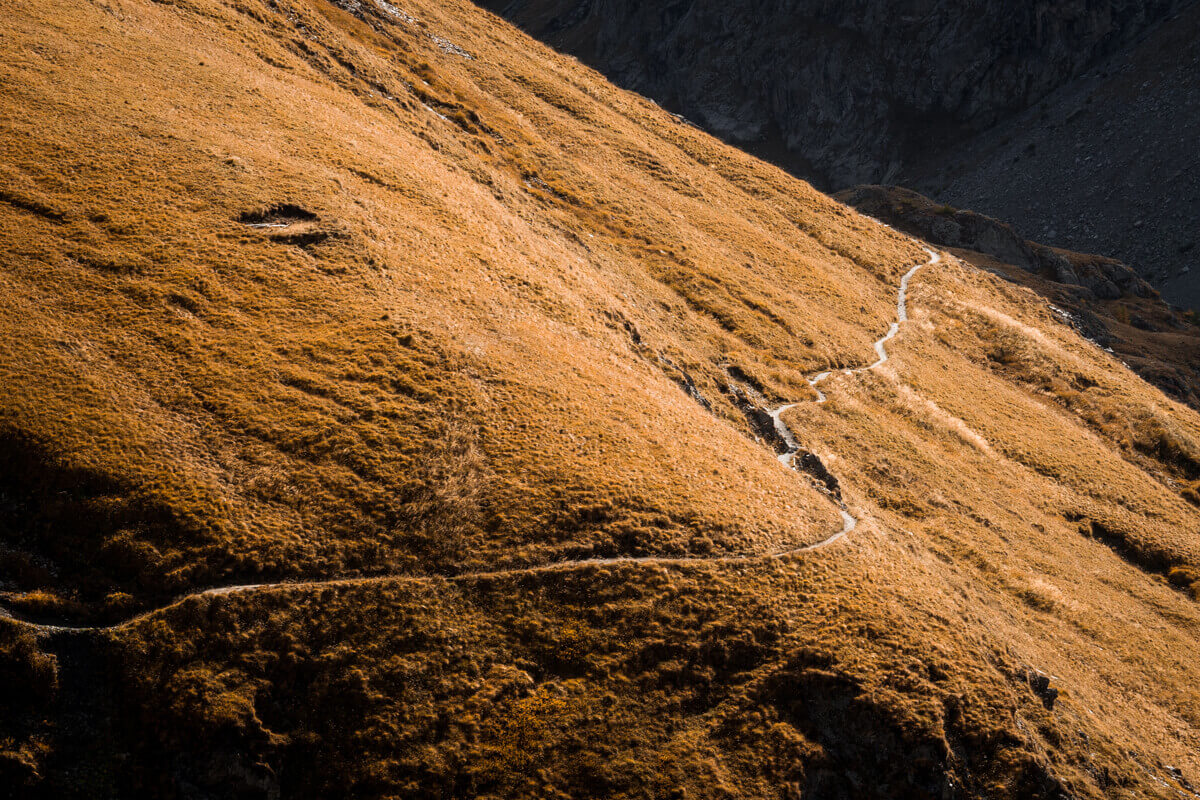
<point>1036,114</point>
<point>1107,164</point>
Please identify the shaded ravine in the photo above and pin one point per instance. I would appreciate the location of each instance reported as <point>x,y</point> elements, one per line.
<point>849,521</point>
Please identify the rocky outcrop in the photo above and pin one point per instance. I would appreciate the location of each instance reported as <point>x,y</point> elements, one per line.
<point>840,92</point>
<point>811,463</point>
<point>1093,277</point>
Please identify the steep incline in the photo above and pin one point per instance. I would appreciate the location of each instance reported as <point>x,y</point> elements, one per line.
<point>1102,297</point>
<point>1074,121</point>
<point>396,307</point>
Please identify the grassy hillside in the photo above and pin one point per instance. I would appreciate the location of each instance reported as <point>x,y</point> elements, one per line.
<point>309,292</point>
<point>1104,299</point>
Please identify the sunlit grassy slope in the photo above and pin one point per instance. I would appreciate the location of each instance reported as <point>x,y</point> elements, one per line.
<point>303,290</point>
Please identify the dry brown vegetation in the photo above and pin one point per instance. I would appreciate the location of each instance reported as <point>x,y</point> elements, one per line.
<point>1160,343</point>
<point>309,290</point>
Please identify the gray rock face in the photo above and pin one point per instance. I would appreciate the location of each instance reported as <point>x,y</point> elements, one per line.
<point>840,92</point>
<point>1106,164</point>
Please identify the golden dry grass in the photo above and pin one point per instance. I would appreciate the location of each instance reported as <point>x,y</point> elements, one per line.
<point>465,351</point>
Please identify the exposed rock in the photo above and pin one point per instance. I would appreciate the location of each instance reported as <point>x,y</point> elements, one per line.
<point>684,380</point>
<point>1040,684</point>
<point>758,417</point>
<point>841,92</point>
<point>1105,278</point>
<point>809,462</point>
<point>1104,164</point>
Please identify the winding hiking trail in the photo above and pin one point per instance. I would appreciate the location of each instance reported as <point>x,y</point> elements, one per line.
<point>849,521</point>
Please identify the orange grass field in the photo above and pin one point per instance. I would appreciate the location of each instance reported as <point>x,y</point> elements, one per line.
<point>298,290</point>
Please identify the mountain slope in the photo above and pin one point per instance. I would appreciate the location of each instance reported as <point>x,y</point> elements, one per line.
<point>1073,121</point>
<point>301,292</point>
<point>844,93</point>
<point>1104,164</point>
<point>1103,298</point>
